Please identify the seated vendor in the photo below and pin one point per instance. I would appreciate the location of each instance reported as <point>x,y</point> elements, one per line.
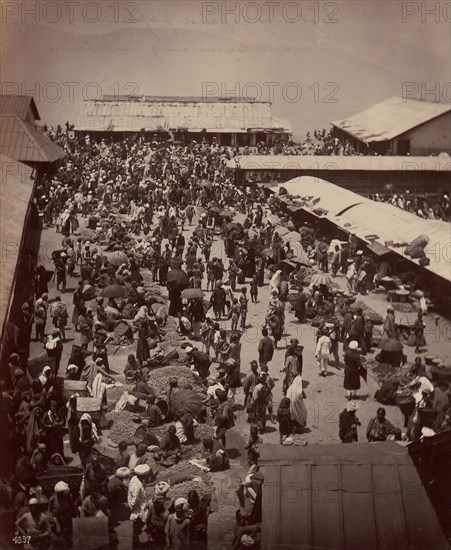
<point>152,417</point>
<point>138,457</point>
<point>386,394</point>
<point>216,456</point>
<point>184,425</point>
<point>211,400</point>
<point>200,360</point>
<point>170,446</point>
<point>142,390</point>
<point>131,367</point>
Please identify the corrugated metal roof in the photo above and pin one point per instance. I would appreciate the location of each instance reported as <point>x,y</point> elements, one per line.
<point>21,141</point>
<point>363,163</point>
<point>323,194</point>
<point>18,105</point>
<point>180,99</point>
<point>345,497</point>
<point>394,225</point>
<point>15,193</point>
<point>364,217</point>
<point>101,115</point>
<point>390,118</point>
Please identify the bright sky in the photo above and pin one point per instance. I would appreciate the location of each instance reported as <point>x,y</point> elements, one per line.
<point>367,50</point>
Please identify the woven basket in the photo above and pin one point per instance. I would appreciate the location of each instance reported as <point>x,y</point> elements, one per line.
<point>122,328</point>
<point>90,405</point>
<point>70,474</point>
<point>90,533</point>
<point>144,435</point>
<point>76,386</point>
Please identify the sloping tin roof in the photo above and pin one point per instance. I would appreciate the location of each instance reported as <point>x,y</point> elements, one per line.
<point>364,163</point>
<point>21,141</point>
<point>364,217</point>
<point>390,118</point>
<point>132,116</point>
<point>180,99</point>
<point>16,188</point>
<point>18,105</point>
<point>345,497</point>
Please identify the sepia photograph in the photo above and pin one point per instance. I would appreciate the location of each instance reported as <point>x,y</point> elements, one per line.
<point>225,279</point>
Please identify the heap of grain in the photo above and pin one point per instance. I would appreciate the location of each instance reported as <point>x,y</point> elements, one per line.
<point>159,379</point>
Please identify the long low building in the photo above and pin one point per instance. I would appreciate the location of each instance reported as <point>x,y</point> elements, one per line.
<point>362,174</point>
<point>384,227</point>
<point>15,203</point>
<point>232,121</point>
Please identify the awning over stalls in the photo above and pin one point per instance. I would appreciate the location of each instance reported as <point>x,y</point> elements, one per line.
<point>345,497</point>
<point>376,223</point>
<point>322,194</point>
<point>15,195</point>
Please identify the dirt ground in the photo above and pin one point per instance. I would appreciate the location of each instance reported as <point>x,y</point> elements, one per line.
<point>326,397</point>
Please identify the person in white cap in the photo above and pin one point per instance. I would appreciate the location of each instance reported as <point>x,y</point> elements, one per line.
<point>72,372</point>
<point>62,507</point>
<point>348,423</point>
<point>45,376</point>
<point>177,526</point>
<point>137,501</point>
<point>353,365</point>
<point>35,524</point>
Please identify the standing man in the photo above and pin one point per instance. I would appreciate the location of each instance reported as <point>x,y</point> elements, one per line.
<point>250,382</point>
<point>265,348</point>
<point>418,328</point>
<point>137,501</point>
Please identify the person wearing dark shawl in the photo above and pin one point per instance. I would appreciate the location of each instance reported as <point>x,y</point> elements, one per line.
<point>284,419</point>
<point>142,348</point>
<point>348,423</point>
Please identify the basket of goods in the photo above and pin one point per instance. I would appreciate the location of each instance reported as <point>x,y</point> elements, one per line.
<point>145,436</point>
<point>106,457</point>
<point>441,372</point>
<point>72,475</point>
<point>79,387</point>
<point>123,328</point>
<point>89,405</point>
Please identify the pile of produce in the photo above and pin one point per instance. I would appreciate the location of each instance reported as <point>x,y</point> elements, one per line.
<point>403,307</point>
<point>123,427</point>
<point>386,372</point>
<point>368,313</point>
<point>181,490</point>
<point>172,339</point>
<point>202,431</point>
<point>159,378</point>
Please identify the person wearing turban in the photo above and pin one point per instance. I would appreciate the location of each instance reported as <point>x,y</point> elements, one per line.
<point>63,509</point>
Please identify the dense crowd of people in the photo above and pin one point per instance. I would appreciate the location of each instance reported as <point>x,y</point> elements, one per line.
<point>137,197</point>
<point>424,207</point>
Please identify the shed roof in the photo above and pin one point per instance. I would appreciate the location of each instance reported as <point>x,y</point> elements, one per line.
<point>18,105</point>
<point>346,497</point>
<point>353,163</point>
<point>393,227</point>
<point>21,141</point>
<point>15,193</point>
<point>195,116</point>
<point>390,118</point>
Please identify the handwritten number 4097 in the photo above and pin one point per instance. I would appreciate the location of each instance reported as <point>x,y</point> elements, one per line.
<point>25,539</point>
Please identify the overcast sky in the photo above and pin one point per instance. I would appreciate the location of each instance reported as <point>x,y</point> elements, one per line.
<point>338,57</point>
